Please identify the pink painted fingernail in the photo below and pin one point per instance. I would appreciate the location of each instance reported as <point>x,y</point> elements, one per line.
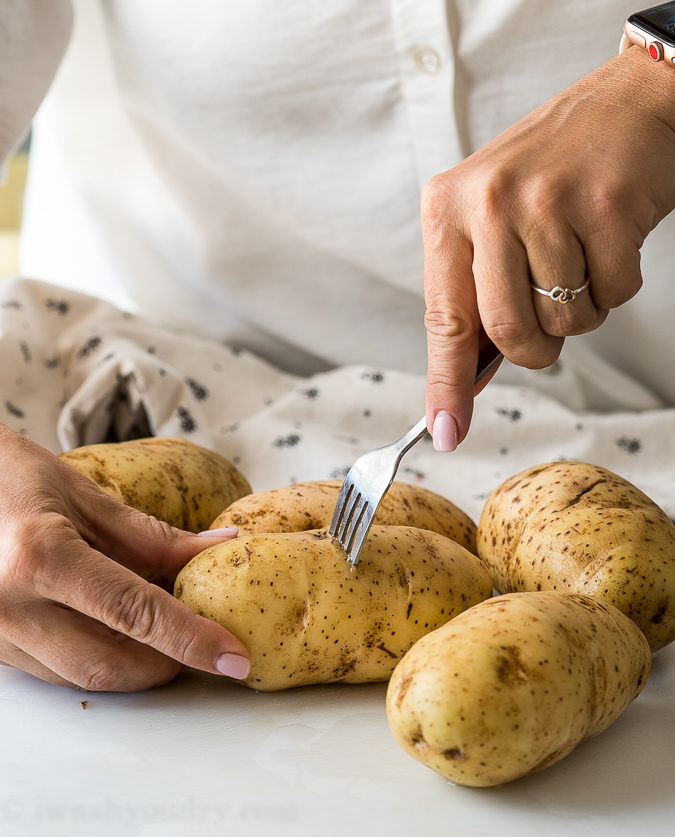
<point>232,665</point>
<point>226,532</point>
<point>445,434</point>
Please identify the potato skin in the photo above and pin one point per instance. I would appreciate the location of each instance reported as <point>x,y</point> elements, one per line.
<point>310,505</point>
<point>514,684</point>
<point>574,527</point>
<point>306,617</point>
<point>174,480</point>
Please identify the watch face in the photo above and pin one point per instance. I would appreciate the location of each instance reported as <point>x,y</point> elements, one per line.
<point>658,21</point>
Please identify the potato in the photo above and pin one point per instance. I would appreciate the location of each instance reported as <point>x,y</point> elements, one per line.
<point>306,617</point>
<point>174,480</point>
<point>514,684</point>
<point>574,527</point>
<point>310,505</point>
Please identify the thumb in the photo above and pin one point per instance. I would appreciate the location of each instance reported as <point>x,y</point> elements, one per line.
<point>134,539</point>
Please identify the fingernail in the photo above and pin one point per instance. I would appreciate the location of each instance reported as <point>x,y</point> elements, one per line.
<point>226,532</point>
<point>445,432</point>
<point>232,665</point>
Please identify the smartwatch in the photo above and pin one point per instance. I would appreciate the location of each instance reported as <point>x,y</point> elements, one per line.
<point>654,30</point>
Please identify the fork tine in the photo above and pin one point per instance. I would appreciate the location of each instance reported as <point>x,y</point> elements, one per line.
<point>370,477</point>
<point>350,513</point>
<point>353,549</point>
<point>341,507</point>
<point>360,509</point>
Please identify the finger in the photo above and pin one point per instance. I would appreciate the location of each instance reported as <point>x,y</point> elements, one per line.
<point>132,538</point>
<point>557,261</point>
<point>452,325</point>
<point>91,583</point>
<point>69,647</point>
<point>504,297</point>
<point>12,656</point>
<point>613,261</point>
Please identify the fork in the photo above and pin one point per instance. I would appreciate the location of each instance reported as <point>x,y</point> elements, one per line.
<point>370,477</point>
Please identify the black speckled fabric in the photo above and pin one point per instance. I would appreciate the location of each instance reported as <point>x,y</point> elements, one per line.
<point>75,370</point>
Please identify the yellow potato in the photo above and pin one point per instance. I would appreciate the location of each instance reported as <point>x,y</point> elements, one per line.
<point>310,505</point>
<point>174,480</point>
<point>574,527</point>
<point>306,617</point>
<point>514,684</point>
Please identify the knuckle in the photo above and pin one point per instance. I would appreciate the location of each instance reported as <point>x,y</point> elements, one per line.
<point>134,613</point>
<point>567,326</point>
<point>607,196</point>
<point>560,322</point>
<point>530,350</point>
<point>507,333</point>
<point>126,516</point>
<point>100,676</point>
<point>160,531</point>
<point>434,198</point>
<point>443,380</point>
<point>545,354</point>
<point>445,325</point>
<point>595,319</point>
<point>494,192</point>
<point>542,193</point>
<point>183,644</point>
<point>24,553</point>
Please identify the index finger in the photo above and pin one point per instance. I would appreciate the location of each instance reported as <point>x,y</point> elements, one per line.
<point>452,322</point>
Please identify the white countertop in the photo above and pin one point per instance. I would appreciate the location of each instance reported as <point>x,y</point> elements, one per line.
<point>206,757</point>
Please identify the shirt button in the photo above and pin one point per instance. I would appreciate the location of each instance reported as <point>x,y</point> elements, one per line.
<point>427,59</point>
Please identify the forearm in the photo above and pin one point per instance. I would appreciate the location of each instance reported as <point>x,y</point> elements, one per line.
<point>33,37</point>
<point>653,106</point>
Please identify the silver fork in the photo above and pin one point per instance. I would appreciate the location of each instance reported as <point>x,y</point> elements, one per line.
<point>369,478</point>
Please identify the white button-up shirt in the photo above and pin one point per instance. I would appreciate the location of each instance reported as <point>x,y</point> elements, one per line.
<point>252,170</point>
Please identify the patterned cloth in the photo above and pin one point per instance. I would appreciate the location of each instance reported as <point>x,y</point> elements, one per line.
<point>75,370</point>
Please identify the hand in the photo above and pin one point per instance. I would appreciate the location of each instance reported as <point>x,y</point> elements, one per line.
<point>568,193</point>
<point>71,609</point>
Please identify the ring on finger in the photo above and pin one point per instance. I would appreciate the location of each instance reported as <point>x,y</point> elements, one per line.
<point>560,294</point>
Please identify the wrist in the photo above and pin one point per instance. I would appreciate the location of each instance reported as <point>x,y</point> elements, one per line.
<point>651,83</point>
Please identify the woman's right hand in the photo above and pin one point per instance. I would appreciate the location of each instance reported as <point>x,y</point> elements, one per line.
<point>564,198</point>
<point>72,611</point>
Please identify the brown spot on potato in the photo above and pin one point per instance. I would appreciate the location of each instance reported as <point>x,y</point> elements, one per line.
<point>657,618</point>
<point>391,654</point>
<point>510,670</point>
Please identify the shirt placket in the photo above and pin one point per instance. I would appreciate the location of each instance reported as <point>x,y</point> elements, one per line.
<point>427,71</point>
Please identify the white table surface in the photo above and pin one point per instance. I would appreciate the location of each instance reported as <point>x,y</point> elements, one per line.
<point>205,757</point>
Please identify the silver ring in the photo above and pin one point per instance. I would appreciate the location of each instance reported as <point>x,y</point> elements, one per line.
<point>559,294</point>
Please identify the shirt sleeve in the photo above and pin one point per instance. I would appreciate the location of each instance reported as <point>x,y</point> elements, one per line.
<point>34,35</point>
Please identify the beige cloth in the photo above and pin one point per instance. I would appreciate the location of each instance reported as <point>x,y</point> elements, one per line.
<point>75,370</point>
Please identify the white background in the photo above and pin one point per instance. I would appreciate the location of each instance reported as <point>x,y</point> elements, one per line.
<point>208,757</point>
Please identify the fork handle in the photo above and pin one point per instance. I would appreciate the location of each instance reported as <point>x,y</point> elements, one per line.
<point>411,438</point>
<point>488,357</point>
